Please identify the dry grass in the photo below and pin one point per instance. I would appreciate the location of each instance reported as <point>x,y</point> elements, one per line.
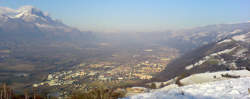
<point>98,93</point>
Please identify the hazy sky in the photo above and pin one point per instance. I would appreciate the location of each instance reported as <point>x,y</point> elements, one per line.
<point>140,15</point>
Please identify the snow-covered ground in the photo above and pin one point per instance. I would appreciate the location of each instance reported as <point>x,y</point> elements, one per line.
<point>225,89</point>
<point>213,76</point>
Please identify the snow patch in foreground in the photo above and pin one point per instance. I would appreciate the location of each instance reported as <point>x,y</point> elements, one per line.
<point>213,76</point>
<point>226,89</point>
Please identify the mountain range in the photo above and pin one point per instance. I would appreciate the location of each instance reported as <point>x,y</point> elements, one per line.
<point>229,53</point>
<point>29,23</point>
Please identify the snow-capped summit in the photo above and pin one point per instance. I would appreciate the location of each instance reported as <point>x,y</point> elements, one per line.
<point>29,14</point>
<point>30,20</point>
<point>30,10</point>
<point>35,15</point>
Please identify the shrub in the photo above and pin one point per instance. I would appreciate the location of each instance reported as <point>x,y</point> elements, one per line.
<point>181,77</point>
<point>5,92</point>
<point>153,86</point>
<point>98,93</point>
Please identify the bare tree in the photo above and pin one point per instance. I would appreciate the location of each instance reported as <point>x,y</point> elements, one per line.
<point>5,92</point>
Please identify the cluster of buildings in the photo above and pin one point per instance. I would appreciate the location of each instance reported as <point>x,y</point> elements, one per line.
<point>4,54</point>
<point>139,69</point>
<point>61,78</point>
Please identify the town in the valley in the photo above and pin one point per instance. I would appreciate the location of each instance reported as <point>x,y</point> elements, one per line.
<point>141,66</point>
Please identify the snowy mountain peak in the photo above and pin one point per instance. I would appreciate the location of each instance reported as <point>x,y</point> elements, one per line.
<point>30,10</point>
<point>28,14</point>
<point>34,15</point>
<point>31,22</point>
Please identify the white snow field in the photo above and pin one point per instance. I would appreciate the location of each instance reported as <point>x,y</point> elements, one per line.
<point>226,89</point>
<point>213,76</point>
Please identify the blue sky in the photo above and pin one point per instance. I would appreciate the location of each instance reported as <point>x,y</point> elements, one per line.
<point>140,15</point>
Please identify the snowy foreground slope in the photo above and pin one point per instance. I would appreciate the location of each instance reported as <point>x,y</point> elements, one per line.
<point>225,89</point>
<point>213,76</point>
